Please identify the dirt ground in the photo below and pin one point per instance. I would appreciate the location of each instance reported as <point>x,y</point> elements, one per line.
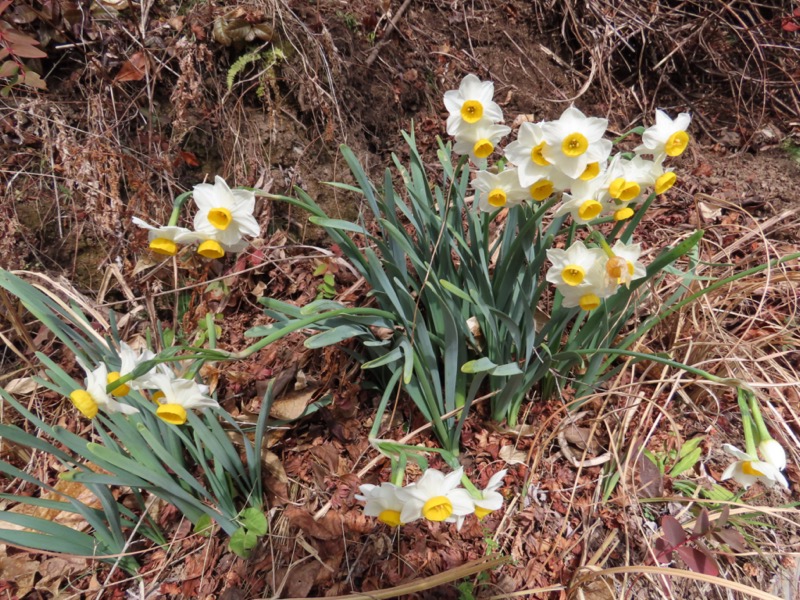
<point>139,108</point>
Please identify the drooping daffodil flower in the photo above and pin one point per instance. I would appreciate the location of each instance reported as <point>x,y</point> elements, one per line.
<point>175,396</point>
<point>480,140</point>
<point>748,469</point>
<point>574,141</point>
<point>224,215</point>
<point>130,360</point>
<point>667,137</point>
<point>773,453</point>
<point>94,397</point>
<point>433,498</point>
<point>166,239</point>
<point>471,103</point>
<point>490,500</point>
<point>382,502</point>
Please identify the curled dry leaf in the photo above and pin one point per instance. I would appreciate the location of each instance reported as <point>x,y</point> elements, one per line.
<point>134,68</point>
<point>291,405</point>
<point>512,455</point>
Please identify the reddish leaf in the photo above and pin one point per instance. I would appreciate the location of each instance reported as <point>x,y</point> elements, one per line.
<point>189,158</point>
<point>4,5</point>
<point>698,560</point>
<point>732,538</point>
<point>795,12</point>
<point>673,531</point>
<point>9,69</point>
<point>702,525</point>
<point>27,51</point>
<point>133,69</point>
<point>789,25</point>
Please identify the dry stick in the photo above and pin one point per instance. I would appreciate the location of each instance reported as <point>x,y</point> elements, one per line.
<point>392,26</point>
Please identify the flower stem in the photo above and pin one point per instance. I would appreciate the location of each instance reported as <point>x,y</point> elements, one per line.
<point>761,427</point>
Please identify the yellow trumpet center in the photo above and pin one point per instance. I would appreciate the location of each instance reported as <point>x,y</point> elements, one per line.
<point>211,249</point>
<point>665,181</point>
<point>482,148</point>
<point>619,269</point>
<point>749,469</point>
<point>472,111</point>
<point>390,517</point>
<point>591,171</point>
<point>120,390</point>
<point>624,190</point>
<point>623,213</point>
<point>574,144</point>
<point>437,508</point>
<point>497,198</point>
<point>676,143</point>
<point>573,275</point>
<point>220,218</point>
<point>589,302</point>
<point>158,396</point>
<point>589,210</point>
<point>164,246</point>
<point>541,190</point>
<point>84,402</point>
<point>481,512</point>
<point>174,414</point>
<point>537,155</point>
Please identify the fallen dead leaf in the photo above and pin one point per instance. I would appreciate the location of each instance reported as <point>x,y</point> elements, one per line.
<point>20,569</point>
<point>292,405</point>
<point>134,69</point>
<point>22,386</point>
<point>512,455</point>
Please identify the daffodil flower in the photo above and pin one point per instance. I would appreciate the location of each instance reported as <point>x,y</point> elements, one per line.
<point>176,396</point>
<point>382,502</point>
<point>664,178</point>
<point>773,453</point>
<point>666,137</point>
<point>129,359</point>
<point>164,240</point>
<point>499,190</point>
<point>590,294</point>
<point>432,497</point>
<point>628,179</point>
<point>572,266</point>
<point>535,172</point>
<point>627,268</point>
<point>479,140</point>
<point>224,215</point>
<point>471,103</point>
<point>586,202</point>
<point>94,397</point>
<point>490,500</point>
<point>575,141</point>
<point>748,469</point>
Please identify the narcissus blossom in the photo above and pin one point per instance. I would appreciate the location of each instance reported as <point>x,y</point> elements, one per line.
<point>773,453</point>
<point>666,137</point>
<point>627,268</point>
<point>176,396</point>
<point>628,179</point>
<point>130,359</point>
<point>535,172</point>
<point>748,469</point>
<point>165,240</point>
<point>587,202</point>
<point>571,266</point>
<point>575,141</point>
<point>382,502</point>
<point>499,190</point>
<point>432,497</point>
<point>224,215</point>
<point>94,397</point>
<point>471,103</point>
<point>479,140</point>
<point>490,500</point>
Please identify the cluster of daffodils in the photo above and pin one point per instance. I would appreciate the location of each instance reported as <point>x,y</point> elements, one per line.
<point>571,158</point>
<point>224,216</point>
<point>173,395</point>
<point>436,497</point>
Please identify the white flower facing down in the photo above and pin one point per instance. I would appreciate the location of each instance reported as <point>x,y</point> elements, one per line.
<point>664,178</point>
<point>433,498</point>
<point>479,140</point>
<point>176,396</point>
<point>666,137</point>
<point>490,500</point>
<point>382,502</point>
<point>575,141</point>
<point>587,202</point>
<point>130,359</point>
<point>471,103</point>
<point>166,239</point>
<point>773,453</point>
<point>628,179</point>
<point>88,401</point>
<point>224,215</point>
<point>499,190</point>
<point>747,470</point>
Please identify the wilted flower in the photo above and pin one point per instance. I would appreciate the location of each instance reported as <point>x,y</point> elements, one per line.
<point>471,103</point>
<point>164,240</point>
<point>499,190</point>
<point>666,137</point>
<point>432,497</point>
<point>479,140</point>
<point>224,215</point>
<point>177,395</point>
<point>575,141</point>
<point>383,502</point>
<point>627,268</point>
<point>748,469</point>
<point>88,401</point>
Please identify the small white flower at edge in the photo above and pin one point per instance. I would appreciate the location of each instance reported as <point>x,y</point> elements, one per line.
<point>470,103</point>
<point>479,140</point>
<point>433,498</point>
<point>667,137</point>
<point>748,469</point>
<point>490,500</point>
<point>382,502</point>
<point>165,239</point>
<point>224,214</point>
<point>94,397</point>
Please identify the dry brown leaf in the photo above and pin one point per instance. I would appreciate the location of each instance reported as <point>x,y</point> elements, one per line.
<point>54,570</point>
<point>21,570</point>
<point>512,455</point>
<point>22,386</point>
<point>292,405</point>
<point>272,464</point>
<point>134,68</point>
